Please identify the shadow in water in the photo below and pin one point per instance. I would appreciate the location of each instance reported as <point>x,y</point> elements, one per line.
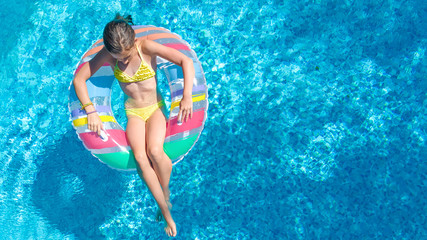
<point>74,191</point>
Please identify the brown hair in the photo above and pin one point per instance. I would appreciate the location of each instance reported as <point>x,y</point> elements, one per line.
<point>119,35</point>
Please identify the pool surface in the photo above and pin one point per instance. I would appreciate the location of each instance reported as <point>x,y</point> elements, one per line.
<point>316,125</point>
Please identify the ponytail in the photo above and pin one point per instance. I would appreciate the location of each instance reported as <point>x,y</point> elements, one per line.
<point>127,19</point>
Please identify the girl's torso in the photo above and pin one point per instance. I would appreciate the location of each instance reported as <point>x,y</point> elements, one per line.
<point>139,93</point>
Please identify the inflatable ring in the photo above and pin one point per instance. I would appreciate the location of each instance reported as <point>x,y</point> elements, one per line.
<point>112,147</point>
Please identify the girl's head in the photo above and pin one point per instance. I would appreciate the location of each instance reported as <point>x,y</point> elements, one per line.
<point>119,37</point>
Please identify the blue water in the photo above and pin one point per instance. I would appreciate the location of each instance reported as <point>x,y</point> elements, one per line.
<point>316,129</point>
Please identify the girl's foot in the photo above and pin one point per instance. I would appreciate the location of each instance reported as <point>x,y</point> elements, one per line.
<point>170,229</point>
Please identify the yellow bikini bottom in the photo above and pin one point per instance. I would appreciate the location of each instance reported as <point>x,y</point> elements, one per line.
<point>145,112</point>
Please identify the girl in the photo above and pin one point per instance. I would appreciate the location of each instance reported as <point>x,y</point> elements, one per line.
<point>134,65</point>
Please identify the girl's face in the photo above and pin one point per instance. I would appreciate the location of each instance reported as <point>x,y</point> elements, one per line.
<point>125,55</point>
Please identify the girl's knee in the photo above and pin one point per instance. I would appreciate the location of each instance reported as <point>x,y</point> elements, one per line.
<point>142,161</point>
<point>155,153</point>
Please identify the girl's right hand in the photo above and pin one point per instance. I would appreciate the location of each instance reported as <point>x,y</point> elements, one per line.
<point>94,123</point>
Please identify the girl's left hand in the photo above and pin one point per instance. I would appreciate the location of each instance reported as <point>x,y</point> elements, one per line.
<point>185,109</point>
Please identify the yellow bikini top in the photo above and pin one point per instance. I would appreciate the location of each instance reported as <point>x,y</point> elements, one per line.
<point>144,72</point>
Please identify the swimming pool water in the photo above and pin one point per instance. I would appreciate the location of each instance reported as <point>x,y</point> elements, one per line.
<point>316,129</point>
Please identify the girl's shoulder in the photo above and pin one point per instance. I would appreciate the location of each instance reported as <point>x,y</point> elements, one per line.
<point>141,42</point>
<point>105,56</point>
<point>144,45</point>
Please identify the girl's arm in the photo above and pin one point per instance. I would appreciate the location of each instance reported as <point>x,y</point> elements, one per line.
<point>79,82</point>
<point>154,49</point>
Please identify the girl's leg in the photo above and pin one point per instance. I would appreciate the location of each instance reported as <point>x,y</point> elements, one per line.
<point>135,133</point>
<point>155,136</point>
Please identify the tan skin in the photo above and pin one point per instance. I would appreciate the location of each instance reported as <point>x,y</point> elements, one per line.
<point>145,138</point>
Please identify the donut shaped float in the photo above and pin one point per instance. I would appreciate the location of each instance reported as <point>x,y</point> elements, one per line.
<point>112,147</point>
